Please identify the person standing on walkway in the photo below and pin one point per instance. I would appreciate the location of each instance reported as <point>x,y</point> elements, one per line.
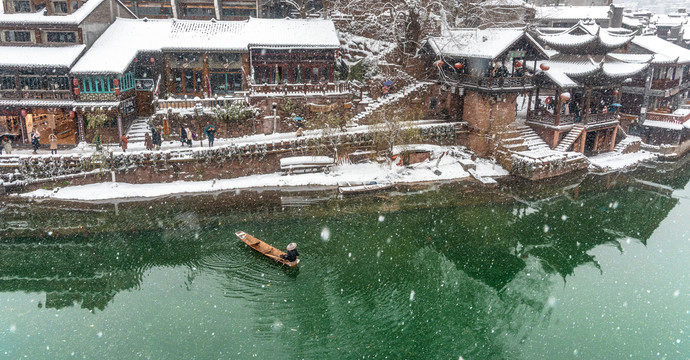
<point>156,138</point>
<point>148,142</point>
<point>35,140</point>
<point>190,136</point>
<point>8,146</point>
<point>53,143</point>
<point>183,136</point>
<point>210,134</point>
<point>123,143</point>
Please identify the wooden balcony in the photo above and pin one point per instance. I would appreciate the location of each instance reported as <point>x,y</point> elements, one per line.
<point>667,117</point>
<point>339,87</point>
<point>36,94</point>
<point>497,84</point>
<point>182,103</point>
<point>548,119</point>
<point>660,84</point>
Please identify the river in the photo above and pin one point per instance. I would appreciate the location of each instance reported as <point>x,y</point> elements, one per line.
<point>588,267</point>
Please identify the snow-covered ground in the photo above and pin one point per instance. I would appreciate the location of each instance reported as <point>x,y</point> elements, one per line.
<point>448,169</point>
<point>613,161</point>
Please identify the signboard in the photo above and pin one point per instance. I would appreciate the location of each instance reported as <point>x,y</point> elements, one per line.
<point>516,54</point>
<point>144,84</point>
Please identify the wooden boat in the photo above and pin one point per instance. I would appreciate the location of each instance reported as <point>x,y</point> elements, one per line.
<point>265,249</point>
<point>356,189</point>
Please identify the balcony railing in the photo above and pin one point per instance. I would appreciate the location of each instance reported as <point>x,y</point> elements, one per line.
<point>493,83</point>
<point>660,84</point>
<point>545,117</point>
<point>37,94</point>
<point>667,117</point>
<point>338,87</point>
<point>183,103</point>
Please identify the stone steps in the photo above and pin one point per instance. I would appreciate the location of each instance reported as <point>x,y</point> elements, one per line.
<point>570,138</point>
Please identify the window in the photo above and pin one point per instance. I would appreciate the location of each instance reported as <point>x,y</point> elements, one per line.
<point>75,5</point>
<point>225,83</point>
<point>57,82</point>
<point>22,6</point>
<point>127,81</point>
<point>60,7</point>
<point>61,37</point>
<point>18,36</point>
<point>239,12</point>
<point>30,82</point>
<point>7,82</point>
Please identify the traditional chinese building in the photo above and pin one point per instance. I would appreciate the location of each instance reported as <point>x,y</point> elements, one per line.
<point>652,101</point>
<point>39,42</point>
<point>483,72</point>
<point>582,80</point>
<point>138,65</point>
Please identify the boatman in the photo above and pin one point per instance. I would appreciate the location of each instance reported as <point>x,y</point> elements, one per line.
<point>292,253</point>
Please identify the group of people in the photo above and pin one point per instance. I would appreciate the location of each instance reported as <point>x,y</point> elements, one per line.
<point>155,140</point>
<point>36,142</point>
<point>187,135</point>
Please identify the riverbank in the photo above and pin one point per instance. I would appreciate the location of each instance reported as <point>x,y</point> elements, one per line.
<point>444,165</point>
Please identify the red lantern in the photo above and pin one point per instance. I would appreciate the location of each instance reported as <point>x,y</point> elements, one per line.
<point>458,66</point>
<point>153,60</point>
<point>615,92</point>
<point>117,91</point>
<point>71,113</point>
<point>23,112</point>
<point>75,82</point>
<point>518,64</point>
<point>544,67</point>
<point>438,63</point>
<point>116,82</point>
<point>76,91</point>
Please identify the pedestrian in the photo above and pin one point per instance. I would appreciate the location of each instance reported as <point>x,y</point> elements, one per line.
<point>35,140</point>
<point>299,132</point>
<point>190,136</point>
<point>210,134</point>
<point>123,143</point>
<point>8,146</point>
<point>155,138</point>
<point>385,91</point>
<point>2,144</point>
<point>183,136</point>
<point>148,142</point>
<point>53,143</point>
<point>292,253</point>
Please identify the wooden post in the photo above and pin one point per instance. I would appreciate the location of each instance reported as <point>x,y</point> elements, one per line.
<point>206,85</point>
<point>529,105</point>
<point>588,101</point>
<point>557,107</point>
<point>613,138</point>
<point>596,141</point>
<point>583,140</point>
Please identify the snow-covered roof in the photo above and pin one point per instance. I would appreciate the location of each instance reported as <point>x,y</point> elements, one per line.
<point>475,43</point>
<point>572,12</point>
<point>40,56</point>
<point>664,52</point>
<point>631,22</point>
<point>568,71</point>
<point>40,18</point>
<point>584,34</point>
<point>114,51</point>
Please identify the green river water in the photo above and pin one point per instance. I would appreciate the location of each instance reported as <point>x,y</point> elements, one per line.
<point>591,267</point>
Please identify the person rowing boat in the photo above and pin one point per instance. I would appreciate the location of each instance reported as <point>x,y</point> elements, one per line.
<point>292,253</point>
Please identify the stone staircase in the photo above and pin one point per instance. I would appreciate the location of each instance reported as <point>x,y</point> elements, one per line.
<point>373,105</point>
<point>570,138</point>
<point>530,138</point>
<point>138,129</point>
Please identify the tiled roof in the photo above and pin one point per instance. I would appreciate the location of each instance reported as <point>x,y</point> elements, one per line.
<point>40,18</point>
<point>40,56</point>
<point>476,43</point>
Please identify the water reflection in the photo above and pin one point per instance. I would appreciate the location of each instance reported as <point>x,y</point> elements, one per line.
<point>446,272</point>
